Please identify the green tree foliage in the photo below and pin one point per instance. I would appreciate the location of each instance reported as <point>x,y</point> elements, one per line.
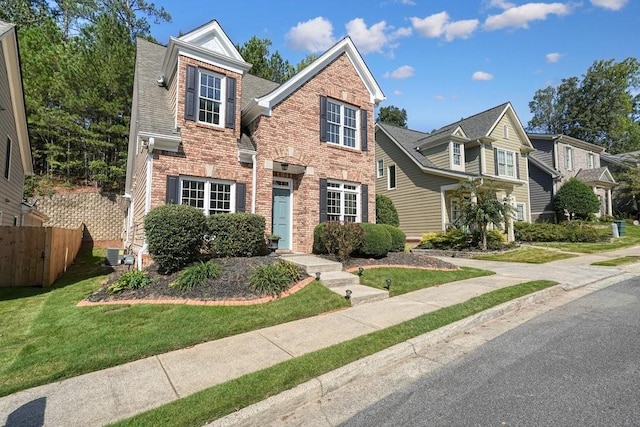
<point>386,212</point>
<point>77,62</point>
<point>393,115</point>
<point>480,207</point>
<point>576,199</point>
<point>626,194</point>
<point>602,108</point>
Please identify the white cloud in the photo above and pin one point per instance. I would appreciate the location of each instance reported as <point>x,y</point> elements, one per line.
<point>401,32</point>
<point>554,57</point>
<point>314,35</point>
<point>406,2</point>
<point>397,92</point>
<point>439,24</point>
<point>610,4</point>
<point>502,4</point>
<point>460,29</point>
<point>403,72</point>
<point>439,98</point>
<point>366,39</point>
<point>481,75</point>
<point>432,26</point>
<point>520,16</point>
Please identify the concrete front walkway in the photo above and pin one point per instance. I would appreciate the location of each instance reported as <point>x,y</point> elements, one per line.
<point>116,393</point>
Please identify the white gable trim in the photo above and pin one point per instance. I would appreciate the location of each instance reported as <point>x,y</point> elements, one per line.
<point>508,109</point>
<point>212,31</point>
<point>264,104</point>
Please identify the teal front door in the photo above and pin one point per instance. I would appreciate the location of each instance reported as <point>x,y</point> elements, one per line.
<point>281,224</point>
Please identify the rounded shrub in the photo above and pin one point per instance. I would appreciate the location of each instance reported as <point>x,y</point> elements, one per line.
<point>376,242</point>
<point>386,212</point>
<point>236,235</point>
<point>398,238</point>
<point>320,238</point>
<point>175,235</point>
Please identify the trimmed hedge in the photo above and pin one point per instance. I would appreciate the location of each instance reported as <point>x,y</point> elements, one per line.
<point>236,235</point>
<point>377,241</point>
<point>564,232</point>
<point>398,238</point>
<point>175,235</point>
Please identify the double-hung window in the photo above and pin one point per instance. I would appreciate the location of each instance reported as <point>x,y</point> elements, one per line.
<point>342,124</point>
<point>591,162</point>
<point>520,211</point>
<point>379,168</point>
<point>506,163</point>
<point>211,196</point>
<point>456,154</point>
<point>211,96</point>
<point>342,201</point>
<point>568,158</point>
<point>391,177</point>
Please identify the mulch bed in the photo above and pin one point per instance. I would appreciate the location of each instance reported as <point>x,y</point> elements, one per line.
<point>233,283</point>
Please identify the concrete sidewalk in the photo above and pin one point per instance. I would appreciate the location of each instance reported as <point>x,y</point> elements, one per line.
<point>116,393</point>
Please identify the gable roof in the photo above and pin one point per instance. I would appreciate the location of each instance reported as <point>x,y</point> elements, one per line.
<point>478,126</point>
<point>254,87</point>
<point>598,175</point>
<point>566,139</point>
<point>9,41</point>
<point>262,105</point>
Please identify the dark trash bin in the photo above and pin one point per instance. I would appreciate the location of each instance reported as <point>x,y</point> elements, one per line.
<point>622,227</point>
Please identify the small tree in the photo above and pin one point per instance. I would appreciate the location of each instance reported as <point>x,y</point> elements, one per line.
<point>480,210</point>
<point>576,199</point>
<point>386,212</point>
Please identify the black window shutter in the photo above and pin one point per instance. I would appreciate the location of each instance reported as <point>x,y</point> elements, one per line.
<point>173,188</point>
<point>323,200</point>
<point>517,160</point>
<point>323,119</point>
<point>363,131</point>
<point>241,197</point>
<point>190,98</point>
<point>364,189</point>
<point>495,160</point>
<point>230,108</point>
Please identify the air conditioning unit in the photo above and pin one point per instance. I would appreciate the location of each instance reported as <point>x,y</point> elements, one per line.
<point>113,256</point>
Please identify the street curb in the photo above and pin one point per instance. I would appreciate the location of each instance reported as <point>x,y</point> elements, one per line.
<point>286,402</point>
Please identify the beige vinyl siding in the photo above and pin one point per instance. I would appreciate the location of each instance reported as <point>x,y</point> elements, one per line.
<point>417,196</point>
<point>10,189</point>
<point>472,160</point>
<point>140,196</point>
<point>439,155</point>
<point>521,194</point>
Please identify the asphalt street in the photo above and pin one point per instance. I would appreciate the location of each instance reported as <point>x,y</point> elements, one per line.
<point>578,365</point>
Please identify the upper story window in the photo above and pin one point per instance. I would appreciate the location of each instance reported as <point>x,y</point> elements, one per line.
<point>7,160</point>
<point>568,158</point>
<point>342,124</point>
<point>342,201</point>
<point>379,168</point>
<point>506,163</point>
<point>457,156</point>
<point>590,161</point>
<point>391,177</point>
<point>211,196</point>
<point>211,108</point>
<point>210,98</point>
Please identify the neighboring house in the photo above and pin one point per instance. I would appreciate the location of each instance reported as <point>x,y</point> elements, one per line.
<point>420,171</point>
<point>558,158</point>
<point>15,150</point>
<point>206,133</point>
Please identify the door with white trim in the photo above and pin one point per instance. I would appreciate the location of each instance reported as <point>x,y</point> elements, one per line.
<point>282,211</point>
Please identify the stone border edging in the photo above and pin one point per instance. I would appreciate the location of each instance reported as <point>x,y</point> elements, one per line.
<point>288,401</point>
<point>414,267</point>
<point>292,290</point>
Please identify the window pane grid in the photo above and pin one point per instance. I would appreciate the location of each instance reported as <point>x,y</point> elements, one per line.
<point>210,196</point>
<point>342,202</point>
<point>506,163</point>
<point>193,193</point>
<point>220,198</point>
<point>210,98</point>
<point>342,124</point>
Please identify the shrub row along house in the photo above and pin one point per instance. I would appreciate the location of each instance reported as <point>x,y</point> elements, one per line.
<point>206,133</point>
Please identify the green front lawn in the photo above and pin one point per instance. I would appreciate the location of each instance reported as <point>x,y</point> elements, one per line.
<point>631,238</point>
<point>405,280</point>
<point>527,255</point>
<point>44,337</point>
<point>618,261</point>
<point>215,402</point>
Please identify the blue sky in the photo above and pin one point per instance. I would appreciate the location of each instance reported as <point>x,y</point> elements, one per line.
<point>440,60</point>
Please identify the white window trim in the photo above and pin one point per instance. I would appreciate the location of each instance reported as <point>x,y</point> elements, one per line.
<point>223,97</point>
<point>207,191</point>
<point>341,142</point>
<point>342,191</point>
<point>459,167</point>
<point>524,214</point>
<point>591,161</point>
<point>395,177</point>
<point>568,158</point>
<point>515,167</point>
<point>380,168</point>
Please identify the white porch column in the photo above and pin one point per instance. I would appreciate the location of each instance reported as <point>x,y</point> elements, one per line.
<point>510,200</point>
<point>609,203</point>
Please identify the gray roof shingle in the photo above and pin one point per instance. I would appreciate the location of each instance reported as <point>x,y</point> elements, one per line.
<point>154,113</point>
<point>409,140</point>
<point>255,87</point>
<point>592,175</point>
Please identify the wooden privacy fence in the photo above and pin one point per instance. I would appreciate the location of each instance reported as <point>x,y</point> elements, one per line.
<point>35,256</point>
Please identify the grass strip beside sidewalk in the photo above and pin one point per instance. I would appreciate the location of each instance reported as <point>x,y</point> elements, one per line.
<point>223,399</point>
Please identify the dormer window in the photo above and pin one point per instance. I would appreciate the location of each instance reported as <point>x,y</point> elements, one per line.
<point>211,108</point>
<point>210,98</point>
<point>457,156</point>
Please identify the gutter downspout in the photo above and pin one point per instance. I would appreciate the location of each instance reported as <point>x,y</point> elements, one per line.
<point>141,251</point>
<point>254,178</point>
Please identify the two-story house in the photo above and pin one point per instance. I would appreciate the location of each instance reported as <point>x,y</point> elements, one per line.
<point>15,150</point>
<point>206,133</point>
<point>558,158</point>
<point>421,171</point>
